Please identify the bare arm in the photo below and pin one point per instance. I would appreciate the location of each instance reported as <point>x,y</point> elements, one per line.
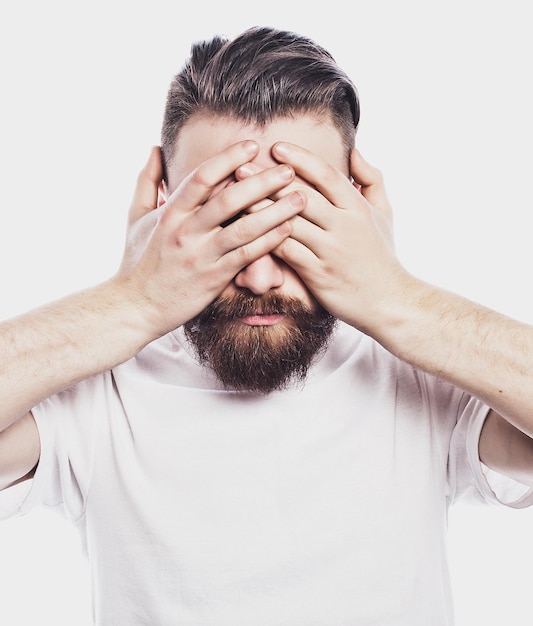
<point>62,343</point>
<point>479,350</point>
<point>53,347</point>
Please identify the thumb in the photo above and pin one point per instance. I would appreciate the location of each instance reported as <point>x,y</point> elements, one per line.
<point>148,181</point>
<point>370,181</point>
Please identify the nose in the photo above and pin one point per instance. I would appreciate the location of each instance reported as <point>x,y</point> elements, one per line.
<point>261,275</point>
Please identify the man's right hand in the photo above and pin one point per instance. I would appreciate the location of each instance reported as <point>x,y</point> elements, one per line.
<point>178,257</point>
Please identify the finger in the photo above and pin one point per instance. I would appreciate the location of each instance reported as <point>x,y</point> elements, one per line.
<point>259,206</point>
<point>237,259</point>
<point>310,235</point>
<point>251,227</point>
<point>370,180</point>
<point>319,212</point>
<point>249,169</point>
<point>242,195</point>
<point>145,195</point>
<point>254,208</point>
<point>242,172</point>
<point>296,254</point>
<point>206,179</point>
<point>246,170</point>
<point>333,183</point>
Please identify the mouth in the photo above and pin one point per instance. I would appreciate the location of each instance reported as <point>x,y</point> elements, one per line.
<point>262,319</point>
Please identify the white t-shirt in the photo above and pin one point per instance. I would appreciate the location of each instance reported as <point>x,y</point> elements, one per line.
<point>323,505</point>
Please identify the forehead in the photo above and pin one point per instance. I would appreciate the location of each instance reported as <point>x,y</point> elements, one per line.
<point>203,137</point>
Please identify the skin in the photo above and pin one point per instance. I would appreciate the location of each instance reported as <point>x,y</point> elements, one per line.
<point>307,230</point>
<point>268,272</point>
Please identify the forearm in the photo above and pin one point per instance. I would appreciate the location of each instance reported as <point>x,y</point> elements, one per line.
<point>57,345</point>
<point>483,352</point>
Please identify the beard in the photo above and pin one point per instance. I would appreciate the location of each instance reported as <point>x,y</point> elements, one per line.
<point>259,359</point>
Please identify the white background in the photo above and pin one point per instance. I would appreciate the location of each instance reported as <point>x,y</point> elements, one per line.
<point>446,100</point>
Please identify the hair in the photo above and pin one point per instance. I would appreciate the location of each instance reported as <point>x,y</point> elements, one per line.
<point>261,75</point>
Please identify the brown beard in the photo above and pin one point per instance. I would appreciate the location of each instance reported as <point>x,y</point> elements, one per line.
<point>259,359</point>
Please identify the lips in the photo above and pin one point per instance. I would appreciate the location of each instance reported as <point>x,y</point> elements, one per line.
<point>245,308</point>
<point>262,319</point>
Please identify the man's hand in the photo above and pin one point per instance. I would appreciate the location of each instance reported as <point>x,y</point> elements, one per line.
<point>341,245</point>
<point>178,256</point>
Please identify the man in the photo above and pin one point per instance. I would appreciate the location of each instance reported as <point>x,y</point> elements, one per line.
<point>262,417</point>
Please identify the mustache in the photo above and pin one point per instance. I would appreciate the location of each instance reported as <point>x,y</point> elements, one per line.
<point>243,304</point>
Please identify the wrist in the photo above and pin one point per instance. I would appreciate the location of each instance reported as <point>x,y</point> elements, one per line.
<point>407,316</point>
<point>141,319</point>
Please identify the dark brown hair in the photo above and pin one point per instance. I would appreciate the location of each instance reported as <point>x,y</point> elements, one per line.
<point>262,74</point>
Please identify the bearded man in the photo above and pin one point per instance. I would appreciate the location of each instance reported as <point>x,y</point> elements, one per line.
<point>262,417</point>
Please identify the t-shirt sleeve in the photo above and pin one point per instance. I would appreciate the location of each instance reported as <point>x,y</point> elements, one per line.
<point>44,488</point>
<point>67,424</point>
<point>469,478</point>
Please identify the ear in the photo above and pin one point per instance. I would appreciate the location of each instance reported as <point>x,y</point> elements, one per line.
<point>162,194</point>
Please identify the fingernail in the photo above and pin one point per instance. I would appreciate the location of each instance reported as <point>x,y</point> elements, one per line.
<point>285,172</point>
<point>244,171</point>
<point>282,149</point>
<point>284,228</point>
<point>296,198</point>
<point>249,146</point>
